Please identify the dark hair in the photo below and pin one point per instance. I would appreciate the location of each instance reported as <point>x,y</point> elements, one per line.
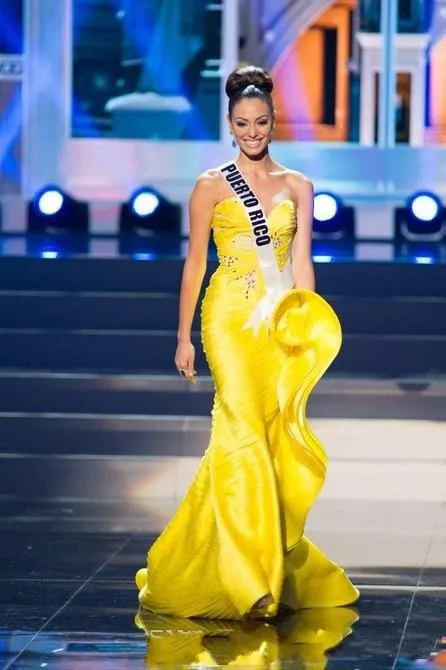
<point>249,81</point>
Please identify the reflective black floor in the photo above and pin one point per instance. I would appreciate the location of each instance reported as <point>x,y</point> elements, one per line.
<point>67,600</point>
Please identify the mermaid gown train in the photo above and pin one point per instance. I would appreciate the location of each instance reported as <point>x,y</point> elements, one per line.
<point>237,537</point>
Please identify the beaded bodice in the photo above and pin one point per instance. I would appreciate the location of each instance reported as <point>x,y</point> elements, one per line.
<point>235,244</point>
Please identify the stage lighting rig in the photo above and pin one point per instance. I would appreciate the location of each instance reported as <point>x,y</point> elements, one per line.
<point>149,225</point>
<point>423,218</point>
<point>332,219</point>
<point>148,213</point>
<point>58,225</point>
<point>52,211</point>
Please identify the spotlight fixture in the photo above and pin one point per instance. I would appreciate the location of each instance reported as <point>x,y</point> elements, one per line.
<point>148,213</point>
<point>425,207</point>
<point>144,203</point>
<point>422,219</point>
<point>325,207</point>
<point>149,225</point>
<point>50,202</point>
<point>58,224</point>
<point>54,211</point>
<point>331,218</point>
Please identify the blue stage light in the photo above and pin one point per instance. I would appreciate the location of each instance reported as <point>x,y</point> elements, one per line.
<point>50,254</point>
<point>424,260</point>
<point>332,219</point>
<point>147,213</point>
<point>423,218</point>
<point>144,203</point>
<point>53,211</point>
<point>49,201</point>
<point>326,207</point>
<point>143,257</point>
<point>322,258</point>
<point>425,206</point>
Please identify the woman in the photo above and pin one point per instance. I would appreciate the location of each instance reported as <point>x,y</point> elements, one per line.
<point>235,547</point>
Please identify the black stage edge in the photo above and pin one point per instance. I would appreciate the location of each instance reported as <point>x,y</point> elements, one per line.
<point>119,315</point>
<point>90,402</point>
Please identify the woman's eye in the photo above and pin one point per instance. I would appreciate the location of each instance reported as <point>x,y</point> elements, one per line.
<point>263,123</point>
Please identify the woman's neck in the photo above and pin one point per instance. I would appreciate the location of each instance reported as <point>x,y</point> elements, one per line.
<point>260,164</point>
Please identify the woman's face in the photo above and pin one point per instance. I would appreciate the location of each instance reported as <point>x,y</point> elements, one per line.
<point>251,124</point>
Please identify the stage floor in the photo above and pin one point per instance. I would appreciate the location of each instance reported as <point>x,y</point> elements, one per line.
<point>98,441</point>
<point>67,598</point>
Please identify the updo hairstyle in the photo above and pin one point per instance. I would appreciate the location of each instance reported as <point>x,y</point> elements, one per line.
<point>249,81</point>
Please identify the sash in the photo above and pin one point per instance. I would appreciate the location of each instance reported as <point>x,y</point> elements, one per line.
<point>276,282</point>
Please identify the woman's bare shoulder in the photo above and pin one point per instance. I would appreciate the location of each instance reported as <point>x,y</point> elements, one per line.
<point>209,185</point>
<point>296,178</point>
<point>299,184</point>
<point>206,186</point>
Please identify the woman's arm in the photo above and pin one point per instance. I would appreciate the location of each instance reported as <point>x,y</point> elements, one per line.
<point>201,206</point>
<point>302,262</point>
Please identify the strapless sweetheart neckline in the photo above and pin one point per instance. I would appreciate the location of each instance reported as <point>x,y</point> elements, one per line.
<point>236,200</point>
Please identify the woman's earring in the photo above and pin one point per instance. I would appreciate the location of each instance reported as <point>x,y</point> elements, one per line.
<point>234,143</point>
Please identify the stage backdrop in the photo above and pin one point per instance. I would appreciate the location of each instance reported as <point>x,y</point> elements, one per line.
<point>11,77</point>
<point>146,69</point>
<point>93,100</point>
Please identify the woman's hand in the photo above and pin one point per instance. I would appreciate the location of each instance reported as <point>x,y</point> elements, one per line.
<point>185,359</point>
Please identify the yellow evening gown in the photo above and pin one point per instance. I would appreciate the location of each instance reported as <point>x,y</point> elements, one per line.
<point>237,536</point>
